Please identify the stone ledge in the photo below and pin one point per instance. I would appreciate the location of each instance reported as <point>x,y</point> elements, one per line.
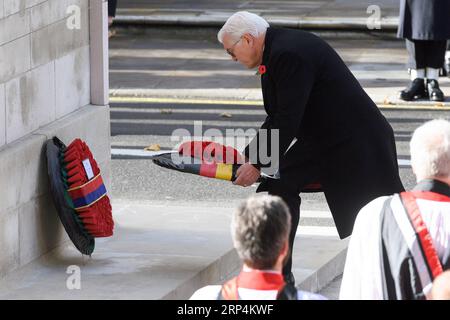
<point>164,252</point>
<point>213,19</point>
<point>27,212</point>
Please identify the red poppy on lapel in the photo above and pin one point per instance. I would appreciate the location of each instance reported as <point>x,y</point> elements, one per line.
<point>262,69</point>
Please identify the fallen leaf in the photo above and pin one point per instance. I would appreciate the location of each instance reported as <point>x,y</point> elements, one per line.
<point>153,147</point>
<point>166,111</point>
<point>226,115</point>
<point>387,101</point>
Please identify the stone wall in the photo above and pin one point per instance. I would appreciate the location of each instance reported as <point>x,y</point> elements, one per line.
<point>48,54</point>
<point>44,65</point>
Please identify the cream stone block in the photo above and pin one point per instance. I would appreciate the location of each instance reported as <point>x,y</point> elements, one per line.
<point>30,101</point>
<point>14,27</point>
<point>53,11</point>
<point>2,12</point>
<point>57,40</point>
<point>43,94</point>
<point>9,242</point>
<point>14,58</point>
<point>19,112</point>
<point>23,172</point>
<point>40,229</point>
<point>15,6</point>
<point>2,115</point>
<point>91,124</point>
<point>72,82</point>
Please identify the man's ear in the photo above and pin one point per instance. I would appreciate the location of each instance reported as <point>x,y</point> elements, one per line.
<point>285,248</point>
<point>248,38</point>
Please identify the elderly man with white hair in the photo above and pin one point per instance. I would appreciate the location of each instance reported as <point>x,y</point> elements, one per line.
<point>402,242</point>
<point>331,135</point>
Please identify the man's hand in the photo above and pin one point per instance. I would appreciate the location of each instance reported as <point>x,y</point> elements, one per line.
<point>246,175</point>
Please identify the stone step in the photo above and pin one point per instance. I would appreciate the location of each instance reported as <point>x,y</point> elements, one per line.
<point>164,252</point>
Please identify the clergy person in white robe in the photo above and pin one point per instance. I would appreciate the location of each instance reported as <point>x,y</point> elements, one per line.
<point>400,243</point>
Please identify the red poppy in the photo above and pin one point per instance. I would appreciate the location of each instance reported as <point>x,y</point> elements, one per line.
<point>262,69</point>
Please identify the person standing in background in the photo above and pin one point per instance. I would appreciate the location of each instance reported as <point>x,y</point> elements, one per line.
<point>112,6</point>
<point>425,26</point>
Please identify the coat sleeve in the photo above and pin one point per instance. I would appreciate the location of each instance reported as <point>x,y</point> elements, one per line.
<point>293,79</point>
<point>253,145</point>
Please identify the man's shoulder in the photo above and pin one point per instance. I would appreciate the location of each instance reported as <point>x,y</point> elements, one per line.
<point>206,293</point>
<point>376,204</point>
<point>295,44</point>
<point>280,32</point>
<point>371,212</point>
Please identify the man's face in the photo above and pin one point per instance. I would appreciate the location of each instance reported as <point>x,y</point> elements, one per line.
<point>243,50</point>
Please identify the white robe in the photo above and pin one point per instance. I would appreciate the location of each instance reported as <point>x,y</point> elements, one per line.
<point>363,277</point>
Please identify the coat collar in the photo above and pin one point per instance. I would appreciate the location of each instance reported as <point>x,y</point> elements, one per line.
<point>267,45</point>
<point>432,185</point>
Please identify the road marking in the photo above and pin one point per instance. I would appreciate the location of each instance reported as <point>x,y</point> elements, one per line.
<point>168,110</point>
<point>414,107</point>
<point>253,125</point>
<point>404,162</point>
<point>140,153</point>
<point>317,231</point>
<point>125,99</point>
<point>117,99</point>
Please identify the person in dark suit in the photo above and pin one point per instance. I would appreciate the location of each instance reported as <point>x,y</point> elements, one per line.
<point>425,26</point>
<point>344,145</point>
<point>112,7</point>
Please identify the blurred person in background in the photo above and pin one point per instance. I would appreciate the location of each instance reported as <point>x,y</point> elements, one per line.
<point>112,6</point>
<point>401,243</point>
<point>425,24</point>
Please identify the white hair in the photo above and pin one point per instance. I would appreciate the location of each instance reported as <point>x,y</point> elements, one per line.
<point>430,150</point>
<point>243,22</point>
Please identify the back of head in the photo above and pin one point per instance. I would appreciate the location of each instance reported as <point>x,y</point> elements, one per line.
<point>430,150</point>
<point>441,287</point>
<point>260,228</point>
<point>243,22</point>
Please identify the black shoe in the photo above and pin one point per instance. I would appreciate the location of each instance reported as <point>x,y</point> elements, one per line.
<point>289,279</point>
<point>434,92</point>
<point>415,90</point>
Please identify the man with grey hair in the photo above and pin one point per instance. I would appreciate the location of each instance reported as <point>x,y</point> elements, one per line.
<point>332,137</point>
<point>260,231</point>
<point>401,243</point>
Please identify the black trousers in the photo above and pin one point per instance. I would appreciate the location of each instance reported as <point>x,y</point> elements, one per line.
<point>425,53</point>
<point>112,5</point>
<point>296,171</point>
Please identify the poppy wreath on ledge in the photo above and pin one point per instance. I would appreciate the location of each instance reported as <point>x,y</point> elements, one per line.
<point>79,193</point>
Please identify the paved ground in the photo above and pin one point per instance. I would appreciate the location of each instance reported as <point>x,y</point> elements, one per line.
<point>187,63</point>
<point>332,290</point>
<point>191,63</point>
<point>326,8</point>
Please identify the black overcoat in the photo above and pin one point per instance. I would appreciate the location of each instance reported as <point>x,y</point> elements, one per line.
<point>310,94</point>
<point>424,20</point>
